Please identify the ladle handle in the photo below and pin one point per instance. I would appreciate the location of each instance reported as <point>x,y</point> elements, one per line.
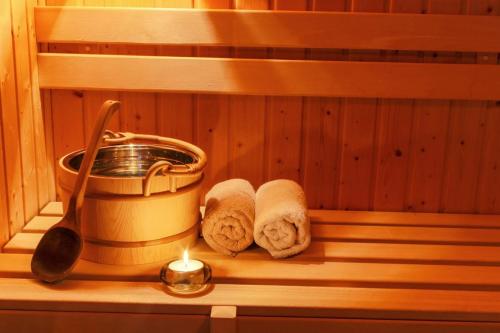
<point>108,108</point>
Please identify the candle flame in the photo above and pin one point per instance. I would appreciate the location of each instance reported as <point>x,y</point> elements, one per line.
<point>185,257</point>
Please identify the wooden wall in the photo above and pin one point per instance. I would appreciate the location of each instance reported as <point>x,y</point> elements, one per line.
<point>363,154</point>
<point>24,174</point>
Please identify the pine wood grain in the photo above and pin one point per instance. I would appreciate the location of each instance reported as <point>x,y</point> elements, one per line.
<point>4,213</point>
<point>223,319</point>
<point>57,322</point>
<point>10,123</point>
<point>269,77</point>
<point>296,325</point>
<point>371,218</point>
<point>284,117</point>
<point>327,250</point>
<point>175,112</point>
<point>25,108</point>
<point>288,29</point>
<point>247,117</point>
<point>44,174</point>
<point>212,114</point>
<point>394,126</point>
<point>357,153</point>
<point>430,134</point>
<point>321,144</point>
<point>488,182</point>
<point>255,300</point>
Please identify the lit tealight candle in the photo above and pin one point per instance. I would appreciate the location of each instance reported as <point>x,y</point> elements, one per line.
<point>185,275</point>
<point>185,264</point>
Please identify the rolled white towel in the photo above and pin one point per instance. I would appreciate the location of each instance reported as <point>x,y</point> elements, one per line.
<point>229,216</point>
<point>281,219</point>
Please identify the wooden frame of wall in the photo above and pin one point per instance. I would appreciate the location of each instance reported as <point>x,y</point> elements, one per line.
<point>384,148</point>
<point>25,173</point>
<point>26,178</point>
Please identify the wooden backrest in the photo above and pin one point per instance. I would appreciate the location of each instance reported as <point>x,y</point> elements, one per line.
<point>270,29</point>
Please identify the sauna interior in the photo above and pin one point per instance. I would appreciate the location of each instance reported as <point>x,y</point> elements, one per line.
<point>385,112</point>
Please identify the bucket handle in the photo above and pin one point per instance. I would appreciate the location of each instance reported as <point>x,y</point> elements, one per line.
<point>164,168</point>
<point>114,138</point>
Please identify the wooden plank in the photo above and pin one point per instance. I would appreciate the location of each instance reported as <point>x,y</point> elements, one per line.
<point>175,112</point>
<point>339,302</point>
<point>466,134</point>
<point>489,181</point>
<point>25,108</point>
<point>4,212</point>
<point>372,218</point>
<point>92,101</point>
<point>4,191</point>
<point>407,234</point>
<point>66,107</point>
<point>321,144</point>
<point>394,125</point>
<point>43,175</point>
<point>286,29</point>
<point>267,76</point>
<point>247,324</point>
<point>406,218</point>
<point>284,117</point>
<point>138,110</point>
<point>427,155</point>
<point>54,208</point>
<point>247,118</point>
<point>463,157</point>
<point>41,224</point>
<point>25,242</point>
<point>49,140</point>
<point>399,234</point>
<point>357,154</point>
<point>430,134</point>
<point>58,322</point>
<point>212,115</point>
<point>223,319</point>
<point>22,242</point>
<point>489,175</point>
<point>10,121</point>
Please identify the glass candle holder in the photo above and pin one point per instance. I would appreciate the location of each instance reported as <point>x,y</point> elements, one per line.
<point>185,276</point>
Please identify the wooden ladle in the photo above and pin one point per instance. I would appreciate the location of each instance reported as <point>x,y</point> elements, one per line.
<point>60,247</point>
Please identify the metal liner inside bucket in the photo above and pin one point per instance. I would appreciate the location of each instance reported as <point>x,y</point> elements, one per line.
<point>130,160</point>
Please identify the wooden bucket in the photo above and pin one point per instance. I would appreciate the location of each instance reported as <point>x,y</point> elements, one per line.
<point>143,206</point>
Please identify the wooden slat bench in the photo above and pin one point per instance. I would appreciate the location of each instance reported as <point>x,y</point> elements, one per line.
<point>363,270</point>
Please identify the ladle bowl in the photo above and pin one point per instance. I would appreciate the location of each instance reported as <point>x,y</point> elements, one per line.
<point>59,249</point>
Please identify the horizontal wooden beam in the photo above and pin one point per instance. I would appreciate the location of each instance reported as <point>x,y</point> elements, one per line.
<point>258,300</point>
<point>268,29</point>
<point>328,250</point>
<point>324,216</point>
<point>270,77</point>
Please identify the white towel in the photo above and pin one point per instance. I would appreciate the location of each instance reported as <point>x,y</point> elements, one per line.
<point>229,215</point>
<point>281,219</point>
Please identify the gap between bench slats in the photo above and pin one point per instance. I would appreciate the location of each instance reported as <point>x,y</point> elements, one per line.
<point>268,29</point>
<point>269,77</point>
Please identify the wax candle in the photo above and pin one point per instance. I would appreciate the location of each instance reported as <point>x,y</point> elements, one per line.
<point>185,264</point>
